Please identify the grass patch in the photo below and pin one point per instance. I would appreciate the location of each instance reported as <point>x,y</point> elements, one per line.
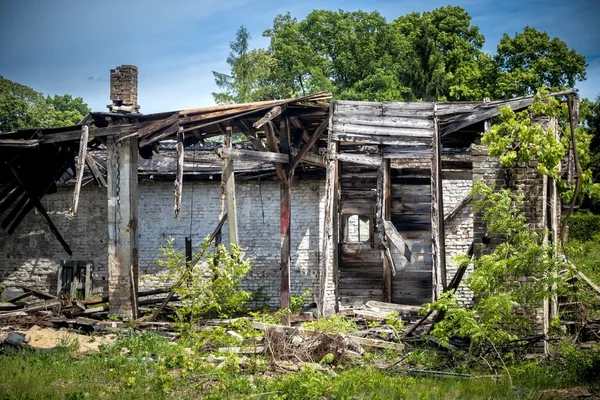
<point>147,366</point>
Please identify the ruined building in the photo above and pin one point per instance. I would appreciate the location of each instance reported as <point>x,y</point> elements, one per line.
<point>358,201</point>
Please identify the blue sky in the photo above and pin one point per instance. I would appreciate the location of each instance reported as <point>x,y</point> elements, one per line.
<point>69,46</point>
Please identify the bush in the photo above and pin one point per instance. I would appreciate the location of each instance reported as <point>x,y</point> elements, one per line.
<point>584,226</point>
<point>208,287</point>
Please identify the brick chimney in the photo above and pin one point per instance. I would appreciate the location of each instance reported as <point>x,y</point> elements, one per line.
<point>124,89</point>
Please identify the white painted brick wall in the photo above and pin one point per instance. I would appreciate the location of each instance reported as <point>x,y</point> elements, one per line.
<point>31,256</point>
<point>459,231</point>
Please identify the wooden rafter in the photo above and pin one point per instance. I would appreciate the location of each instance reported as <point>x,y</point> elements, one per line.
<point>307,146</point>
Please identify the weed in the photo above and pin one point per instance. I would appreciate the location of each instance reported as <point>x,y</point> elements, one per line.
<point>333,324</point>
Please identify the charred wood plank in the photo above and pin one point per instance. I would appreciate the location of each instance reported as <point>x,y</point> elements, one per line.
<point>179,175</point>
<point>251,135</point>
<point>307,146</point>
<point>93,166</point>
<point>269,116</point>
<point>361,159</point>
<point>10,198</point>
<point>41,209</point>
<point>83,143</point>
<point>252,155</point>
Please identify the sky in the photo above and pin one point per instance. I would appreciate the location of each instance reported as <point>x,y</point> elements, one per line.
<point>69,46</point>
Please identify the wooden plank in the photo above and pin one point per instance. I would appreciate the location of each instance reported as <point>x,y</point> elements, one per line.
<point>22,204</point>
<point>307,146</point>
<point>155,126</point>
<point>83,143</point>
<point>452,213</point>
<point>383,131</point>
<point>13,194</point>
<point>250,134</point>
<point>358,159</point>
<point>273,113</point>
<point>410,208</point>
<point>272,143</point>
<point>41,209</point>
<point>98,132</point>
<point>161,134</point>
<point>362,138</point>
<point>20,143</point>
<point>179,174</point>
<point>396,239</point>
<point>253,155</point>
<point>230,194</point>
<point>384,121</point>
<point>437,218</point>
<point>311,158</point>
<point>93,167</point>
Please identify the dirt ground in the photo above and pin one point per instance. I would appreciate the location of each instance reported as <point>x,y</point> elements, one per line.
<point>46,338</point>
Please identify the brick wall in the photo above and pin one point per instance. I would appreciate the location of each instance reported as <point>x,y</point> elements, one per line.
<point>32,256</point>
<point>459,231</point>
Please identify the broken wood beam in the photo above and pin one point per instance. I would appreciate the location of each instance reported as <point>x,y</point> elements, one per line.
<point>41,209</point>
<point>253,155</point>
<point>93,167</point>
<point>269,116</point>
<point>307,146</point>
<point>81,157</point>
<point>179,174</point>
<point>251,135</point>
<point>272,143</point>
<point>396,239</point>
<point>361,159</point>
<point>452,213</point>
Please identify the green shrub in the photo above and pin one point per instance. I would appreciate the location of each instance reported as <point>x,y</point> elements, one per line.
<point>584,226</point>
<point>208,287</point>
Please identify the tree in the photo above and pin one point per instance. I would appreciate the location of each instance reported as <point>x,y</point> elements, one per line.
<point>249,75</point>
<point>337,51</point>
<point>433,49</point>
<point>530,60</point>
<point>22,107</point>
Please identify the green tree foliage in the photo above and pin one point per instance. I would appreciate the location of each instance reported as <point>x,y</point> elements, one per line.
<point>433,48</point>
<point>209,287</point>
<point>22,107</point>
<point>515,137</point>
<point>434,55</point>
<point>590,117</point>
<point>530,60</point>
<point>519,273</point>
<point>248,79</point>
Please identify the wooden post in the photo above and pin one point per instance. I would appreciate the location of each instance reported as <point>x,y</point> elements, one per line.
<point>80,164</point>
<point>122,164</point>
<point>285,216</point>
<point>386,214</point>
<point>179,175</point>
<point>437,213</point>
<point>229,180</point>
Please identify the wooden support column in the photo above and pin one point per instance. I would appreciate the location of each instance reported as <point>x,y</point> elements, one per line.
<point>385,193</point>
<point>122,164</point>
<point>229,182</point>
<point>179,175</point>
<point>437,214</point>
<point>285,215</point>
<point>81,158</point>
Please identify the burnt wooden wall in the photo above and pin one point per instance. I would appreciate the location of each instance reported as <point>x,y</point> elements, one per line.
<point>385,153</point>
